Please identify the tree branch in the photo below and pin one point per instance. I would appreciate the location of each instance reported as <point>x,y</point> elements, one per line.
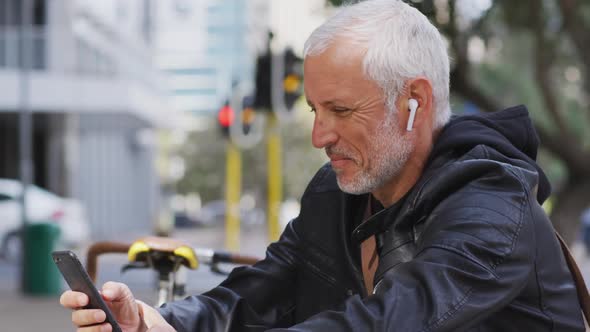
<point>463,86</point>
<point>578,31</point>
<point>458,44</point>
<point>575,158</point>
<point>460,74</point>
<point>560,145</point>
<point>543,55</point>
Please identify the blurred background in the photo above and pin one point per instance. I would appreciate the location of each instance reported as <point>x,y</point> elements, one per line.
<point>185,118</point>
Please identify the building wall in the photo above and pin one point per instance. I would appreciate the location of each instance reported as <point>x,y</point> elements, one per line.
<point>116,175</point>
<point>94,94</point>
<point>207,47</point>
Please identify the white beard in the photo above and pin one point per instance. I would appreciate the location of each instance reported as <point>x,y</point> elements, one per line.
<point>389,151</point>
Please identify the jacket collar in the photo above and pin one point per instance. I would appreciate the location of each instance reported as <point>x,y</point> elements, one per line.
<point>378,222</point>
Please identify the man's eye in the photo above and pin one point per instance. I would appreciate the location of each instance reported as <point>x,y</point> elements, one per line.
<point>340,110</point>
<point>312,110</point>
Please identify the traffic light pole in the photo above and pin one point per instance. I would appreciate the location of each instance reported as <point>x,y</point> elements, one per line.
<point>25,123</point>
<point>278,86</point>
<point>233,181</point>
<point>275,176</point>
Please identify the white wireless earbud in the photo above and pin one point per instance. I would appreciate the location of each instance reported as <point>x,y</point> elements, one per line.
<point>413,106</point>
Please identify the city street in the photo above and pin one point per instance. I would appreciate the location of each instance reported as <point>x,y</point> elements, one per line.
<point>26,314</point>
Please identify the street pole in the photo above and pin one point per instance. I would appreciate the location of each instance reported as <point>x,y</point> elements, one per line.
<point>233,182</point>
<point>275,176</point>
<point>25,125</point>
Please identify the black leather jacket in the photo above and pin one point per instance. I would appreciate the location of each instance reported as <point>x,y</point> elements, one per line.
<point>467,249</point>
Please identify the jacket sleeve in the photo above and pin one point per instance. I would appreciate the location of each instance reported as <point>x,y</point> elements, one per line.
<point>473,256</point>
<point>250,299</point>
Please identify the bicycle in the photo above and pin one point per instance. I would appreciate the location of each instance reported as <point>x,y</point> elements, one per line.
<point>166,256</point>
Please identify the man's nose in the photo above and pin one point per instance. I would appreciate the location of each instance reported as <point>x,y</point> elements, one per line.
<point>322,134</point>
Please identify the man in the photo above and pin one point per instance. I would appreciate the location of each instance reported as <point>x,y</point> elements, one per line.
<point>416,224</point>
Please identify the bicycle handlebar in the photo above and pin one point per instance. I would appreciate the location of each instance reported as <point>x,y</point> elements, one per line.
<point>208,257</point>
<point>99,248</point>
<point>228,257</point>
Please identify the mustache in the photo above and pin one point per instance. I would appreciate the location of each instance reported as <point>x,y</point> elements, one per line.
<point>340,151</point>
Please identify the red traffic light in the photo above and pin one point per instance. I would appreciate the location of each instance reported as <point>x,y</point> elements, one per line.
<point>226,116</point>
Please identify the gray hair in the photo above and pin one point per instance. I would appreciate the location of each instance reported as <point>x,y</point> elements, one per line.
<point>399,43</point>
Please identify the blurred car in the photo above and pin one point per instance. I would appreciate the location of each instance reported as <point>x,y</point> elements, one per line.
<point>213,214</point>
<point>42,206</point>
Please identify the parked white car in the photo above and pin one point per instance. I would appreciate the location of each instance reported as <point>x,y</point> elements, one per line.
<point>42,206</point>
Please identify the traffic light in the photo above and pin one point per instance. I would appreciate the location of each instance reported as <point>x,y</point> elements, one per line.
<point>248,113</point>
<point>225,118</point>
<point>262,95</point>
<point>291,85</point>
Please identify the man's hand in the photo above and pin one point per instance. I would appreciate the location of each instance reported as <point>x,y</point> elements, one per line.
<point>153,320</point>
<point>119,299</point>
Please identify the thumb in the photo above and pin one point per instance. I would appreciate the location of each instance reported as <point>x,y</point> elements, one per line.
<point>122,303</point>
<point>116,292</point>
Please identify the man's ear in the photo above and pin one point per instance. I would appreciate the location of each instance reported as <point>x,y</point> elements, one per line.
<point>420,90</point>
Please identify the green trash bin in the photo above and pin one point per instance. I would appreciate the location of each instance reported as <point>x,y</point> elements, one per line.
<point>40,275</point>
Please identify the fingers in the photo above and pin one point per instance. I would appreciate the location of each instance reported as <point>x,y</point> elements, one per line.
<point>111,291</point>
<point>73,300</point>
<point>88,317</point>
<point>116,292</point>
<point>118,298</point>
<point>106,327</point>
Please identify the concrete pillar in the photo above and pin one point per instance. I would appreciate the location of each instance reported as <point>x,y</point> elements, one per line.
<point>61,44</point>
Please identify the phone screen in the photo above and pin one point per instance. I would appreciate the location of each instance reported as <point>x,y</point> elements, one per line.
<point>79,281</point>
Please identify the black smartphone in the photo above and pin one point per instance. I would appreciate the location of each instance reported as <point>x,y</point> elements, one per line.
<point>79,281</point>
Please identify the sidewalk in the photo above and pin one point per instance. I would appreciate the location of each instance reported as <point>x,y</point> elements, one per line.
<point>26,314</point>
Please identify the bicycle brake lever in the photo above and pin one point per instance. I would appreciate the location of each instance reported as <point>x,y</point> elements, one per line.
<point>134,265</point>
